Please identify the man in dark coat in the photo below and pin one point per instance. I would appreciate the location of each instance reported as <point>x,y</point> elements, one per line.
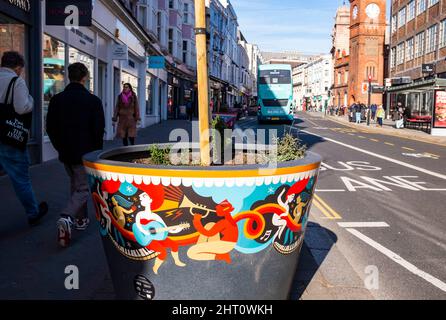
<point>75,125</point>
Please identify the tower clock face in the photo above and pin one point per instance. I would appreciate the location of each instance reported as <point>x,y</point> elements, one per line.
<point>372,11</point>
<point>355,12</point>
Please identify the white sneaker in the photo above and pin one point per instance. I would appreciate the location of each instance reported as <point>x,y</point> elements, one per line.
<point>64,226</point>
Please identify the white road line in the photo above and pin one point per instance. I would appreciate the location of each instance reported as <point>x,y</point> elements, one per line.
<point>401,163</point>
<point>399,260</point>
<point>332,190</point>
<point>363,225</point>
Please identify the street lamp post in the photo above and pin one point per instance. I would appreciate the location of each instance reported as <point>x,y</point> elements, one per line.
<point>369,100</point>
<point>202,78</point>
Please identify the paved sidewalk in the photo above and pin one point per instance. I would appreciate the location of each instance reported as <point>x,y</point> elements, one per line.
<point>32,264</point>
<point>387,129</point>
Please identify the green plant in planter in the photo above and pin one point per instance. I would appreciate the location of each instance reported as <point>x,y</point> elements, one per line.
<point>290,148</point>
<point>219,126</point>
<point>160,156</point>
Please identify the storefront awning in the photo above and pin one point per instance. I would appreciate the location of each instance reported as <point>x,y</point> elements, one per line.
<point>419,86</point>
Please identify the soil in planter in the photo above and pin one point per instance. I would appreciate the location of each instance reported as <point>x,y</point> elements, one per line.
<point>289,148</point>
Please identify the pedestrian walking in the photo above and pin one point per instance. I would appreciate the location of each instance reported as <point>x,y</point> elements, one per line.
<point>374,110</point>
<point>380,114</point>
<point>400,111</point>
<point>76,126</point>
<point>358,113</point>
<point>16,100</point>
<point>127,115</point>
<point>189,110</point>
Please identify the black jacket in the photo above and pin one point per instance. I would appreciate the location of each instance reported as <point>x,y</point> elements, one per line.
<point>75,123</point>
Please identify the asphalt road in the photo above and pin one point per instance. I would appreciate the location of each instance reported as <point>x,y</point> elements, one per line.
<point>392,192</point>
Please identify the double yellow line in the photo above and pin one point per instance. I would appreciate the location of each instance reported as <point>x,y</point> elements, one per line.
<point>328,211</point>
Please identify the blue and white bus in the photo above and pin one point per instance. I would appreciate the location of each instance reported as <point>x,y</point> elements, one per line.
<point>275,93</point>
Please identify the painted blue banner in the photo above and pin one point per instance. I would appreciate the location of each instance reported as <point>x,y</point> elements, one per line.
<point>156,62</point>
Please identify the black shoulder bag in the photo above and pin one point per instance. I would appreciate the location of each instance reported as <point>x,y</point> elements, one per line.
<point>14,128</point>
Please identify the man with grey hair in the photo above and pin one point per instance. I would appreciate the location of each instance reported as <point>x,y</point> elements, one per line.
<point>13,161</point>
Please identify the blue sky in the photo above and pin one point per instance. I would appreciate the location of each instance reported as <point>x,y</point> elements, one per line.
<point>297,25</point>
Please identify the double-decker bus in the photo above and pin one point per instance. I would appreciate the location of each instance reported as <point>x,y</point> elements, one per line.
<point>275,93</point>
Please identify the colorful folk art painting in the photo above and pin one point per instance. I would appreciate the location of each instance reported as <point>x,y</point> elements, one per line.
<point>207,223</point>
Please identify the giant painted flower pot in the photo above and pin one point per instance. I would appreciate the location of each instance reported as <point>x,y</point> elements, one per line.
<point>193,233</point>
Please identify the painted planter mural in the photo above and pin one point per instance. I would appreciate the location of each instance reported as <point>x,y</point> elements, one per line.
<point>192,226</point>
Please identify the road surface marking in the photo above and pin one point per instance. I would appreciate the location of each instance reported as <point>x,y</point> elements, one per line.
<point>323,210</point>
<point>389,144</point>
<point>362,137</point>
<point>410,149</point>
<point>401,163</point>
<point>363,225</point>
<point>330,190</point>
<point>351,134</point>
<point>374,140</point>
<point>399,260</point>
<point>326,206</point>
<point>433,155</point>
<point>421,155</point>
<point>312,122</point>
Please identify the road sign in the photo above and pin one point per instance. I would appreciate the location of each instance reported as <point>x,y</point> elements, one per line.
<point>378,89</point>
<point>388,82</point>
<point>427,68</point>
<point>365,88</point>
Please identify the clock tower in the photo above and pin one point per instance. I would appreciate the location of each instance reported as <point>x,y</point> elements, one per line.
<point>367,42</point>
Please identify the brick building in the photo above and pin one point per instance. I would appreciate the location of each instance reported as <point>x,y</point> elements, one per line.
<point>367,48</point>
<point>341,57</point>
<point>418,36</point>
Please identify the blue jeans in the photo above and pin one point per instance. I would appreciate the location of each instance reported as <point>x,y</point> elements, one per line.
<point>16,165</point>
<point>358,117</point>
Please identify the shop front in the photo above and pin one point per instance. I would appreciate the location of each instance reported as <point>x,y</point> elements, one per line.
<point>173,96</point>
<point>156,85</point>
<point>93,46</point>
<point>423,99</point>
<point>20,30</point>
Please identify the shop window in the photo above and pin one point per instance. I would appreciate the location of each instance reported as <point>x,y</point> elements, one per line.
<point>53,71</point>
<point>128,78</point>
<point>13,38</point>
<point>149,96</point>
<point>78,56</point>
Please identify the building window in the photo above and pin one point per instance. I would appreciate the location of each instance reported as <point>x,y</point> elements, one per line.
<point>409,49</point>
<point>394,23</point>
<point>170,40</point>
<point>400,54</point>
<point>411,10</point>
<point>421,6</point>
<point>186,13</point>
<point>185,50</point>
<point>419,45</point>
<point>393,57</point>
<point>171,4</point>
<point>402,17</point>
<point>443,33</point>
<point>431,39</point>
<point>430,3</point>
<point>158,25</point>
<point>370,72</point>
